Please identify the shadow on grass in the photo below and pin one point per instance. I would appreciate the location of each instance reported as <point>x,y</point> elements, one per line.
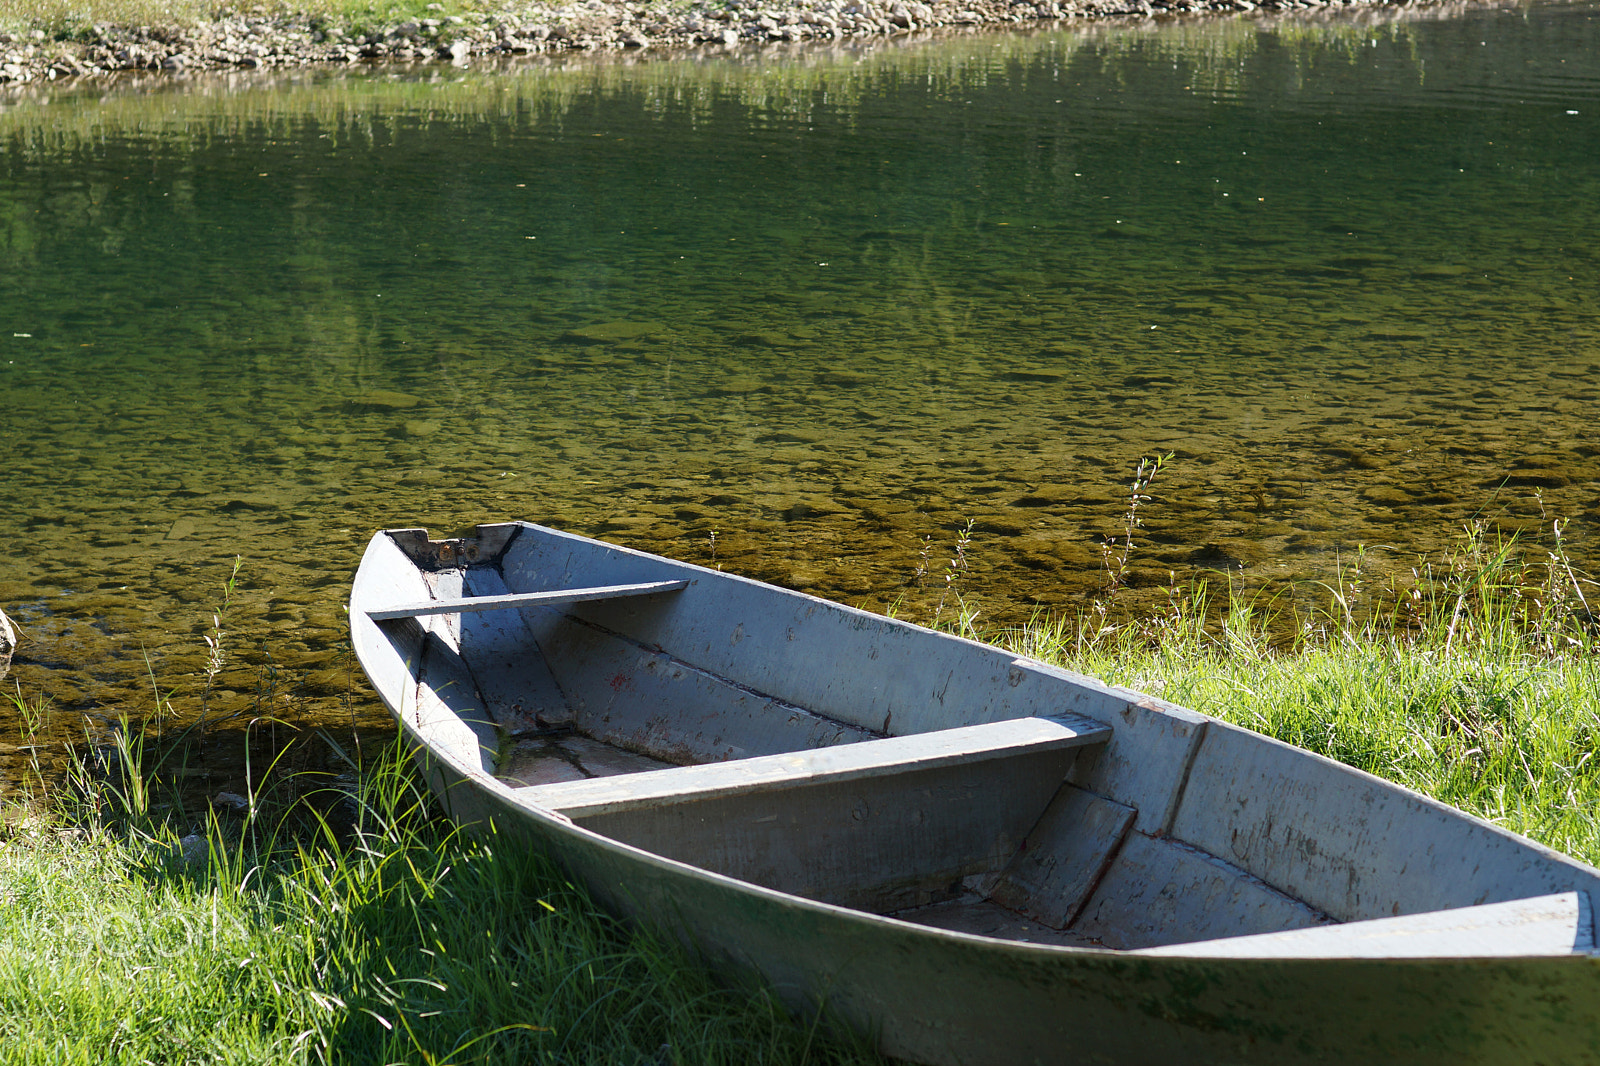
<point>455,948</point>
<point>275,935</point>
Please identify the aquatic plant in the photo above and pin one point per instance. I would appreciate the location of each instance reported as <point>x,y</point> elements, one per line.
<point>215,656</point>
<point>1117,549</point>
<point>955,572</point>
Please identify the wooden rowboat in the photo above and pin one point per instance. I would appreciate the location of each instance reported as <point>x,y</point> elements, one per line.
<point>976,857</point>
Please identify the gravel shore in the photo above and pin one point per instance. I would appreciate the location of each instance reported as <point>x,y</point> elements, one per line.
<point>289,40</point>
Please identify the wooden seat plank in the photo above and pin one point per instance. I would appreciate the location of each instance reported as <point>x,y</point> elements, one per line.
<point>878,825</point>
<point>471,604</point>
<point>837,764</point>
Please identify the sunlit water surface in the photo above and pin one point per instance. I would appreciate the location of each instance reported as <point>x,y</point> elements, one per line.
<point>803,318</point>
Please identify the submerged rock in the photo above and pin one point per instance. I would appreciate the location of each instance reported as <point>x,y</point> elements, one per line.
<point>8,643</point>
<point>383,400</point>
<point>192,850</point>
<point>612,332</point>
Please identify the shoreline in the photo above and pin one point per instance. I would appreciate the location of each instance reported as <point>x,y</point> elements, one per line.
<point>298,39</point>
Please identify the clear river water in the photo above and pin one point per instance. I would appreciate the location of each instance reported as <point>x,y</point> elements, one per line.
<point>803,315</point>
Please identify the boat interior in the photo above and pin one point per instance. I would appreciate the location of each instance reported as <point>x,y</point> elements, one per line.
<point>859,761</point>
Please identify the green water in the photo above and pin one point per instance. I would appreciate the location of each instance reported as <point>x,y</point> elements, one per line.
<point>801,317</point>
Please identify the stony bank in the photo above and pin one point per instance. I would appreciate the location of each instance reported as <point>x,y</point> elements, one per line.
<point>44,49</point>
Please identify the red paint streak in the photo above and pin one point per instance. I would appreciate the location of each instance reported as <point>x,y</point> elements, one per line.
<point>619,682</point>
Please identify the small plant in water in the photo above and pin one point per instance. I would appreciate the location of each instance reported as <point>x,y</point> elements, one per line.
<point>215,657</point>
<point>955,572</point>
<point>924,561</point>
<point>34,715</point>
<point>1116,551</point>
<point>1118,548</point>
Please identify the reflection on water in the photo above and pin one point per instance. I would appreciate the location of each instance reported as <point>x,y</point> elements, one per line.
<point>799,319</point>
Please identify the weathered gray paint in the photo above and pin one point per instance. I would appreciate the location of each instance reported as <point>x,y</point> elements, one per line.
<point>1066,854</point>
<point>1545,925</point>
<point>879,825</point>
<point>1350,844</point>
<point>446,705</point>
<point>552,756</point>
<point>875,843</point>
<point>511,671</point>
<point>1162,891</point>
<point>948,998</point>
<point>1147,763</point>
<point>474,604</point>
<point>877,677</point>
<point>943,997</point>
<point>843,764</point>
<point>641,697</point>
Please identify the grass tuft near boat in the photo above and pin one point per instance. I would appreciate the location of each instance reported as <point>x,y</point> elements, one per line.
<point>977,858</point>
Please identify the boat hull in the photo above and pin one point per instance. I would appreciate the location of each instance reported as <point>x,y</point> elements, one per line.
<point>967,1000</point>
<point>942,997</point>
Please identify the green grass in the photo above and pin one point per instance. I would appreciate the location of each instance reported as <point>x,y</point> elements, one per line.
<point>401,942</point>
<point>392,938</point>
